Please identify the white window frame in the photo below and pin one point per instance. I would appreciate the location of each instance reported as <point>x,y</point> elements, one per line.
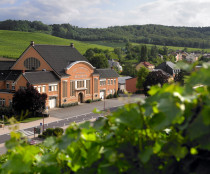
<point>39,89</point>
<point>44,88</point>
<point>13,86</point>
<point>54,87</point>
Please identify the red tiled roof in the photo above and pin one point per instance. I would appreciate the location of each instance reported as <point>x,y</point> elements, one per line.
<point>147,64</point>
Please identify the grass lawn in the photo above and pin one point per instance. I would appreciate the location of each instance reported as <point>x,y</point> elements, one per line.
<point>27,120</point>
<point>13,43</point>
<point>31,119</point>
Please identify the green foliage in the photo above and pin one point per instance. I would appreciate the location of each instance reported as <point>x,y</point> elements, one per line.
<point>88,101</point>
<point>154,78</point>
<point>147,34</point>
<point>99,61</point>
<point>167,133</point>
<point>28,99</point>
<point>141,77</point>
<point>109,96</point>
<point>129,70</point>
<point>52,132</point>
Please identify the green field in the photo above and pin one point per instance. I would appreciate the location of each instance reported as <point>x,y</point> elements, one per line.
<point>120,44</point>
<point>13,43</point>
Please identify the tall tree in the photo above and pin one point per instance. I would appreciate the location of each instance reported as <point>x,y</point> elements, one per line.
<point>154,78</point>
<point>141,77</point>
<point>143,56</point>
<point>28,99</point>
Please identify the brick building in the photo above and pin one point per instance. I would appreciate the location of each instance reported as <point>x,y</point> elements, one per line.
<point>131,85</point>
<point>59,71</point>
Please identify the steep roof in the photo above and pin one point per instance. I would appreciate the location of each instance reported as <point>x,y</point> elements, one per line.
<point>9,74</point>
<point>170,64</point>
<point>4,74</point>
<point>59,57</point>
<point>107,73</point>
<point>13,75</point>
<point>41,77</point>
<point>6,65</point>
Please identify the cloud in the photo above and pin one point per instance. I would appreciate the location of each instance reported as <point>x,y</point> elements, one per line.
<point>103,13</point>
<point>6,2</point>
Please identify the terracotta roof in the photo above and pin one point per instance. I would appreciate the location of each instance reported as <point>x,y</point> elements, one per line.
<point>107,73</point>
<point>147,64</point>
<point>41,77</point>
<point>58,57</point>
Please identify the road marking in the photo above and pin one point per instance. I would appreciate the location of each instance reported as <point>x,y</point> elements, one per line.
<point>27,133</point>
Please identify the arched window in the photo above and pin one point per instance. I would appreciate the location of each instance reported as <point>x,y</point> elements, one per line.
<point>32,63</point>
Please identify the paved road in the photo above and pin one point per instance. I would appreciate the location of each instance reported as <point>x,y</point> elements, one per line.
<point>76,114</point>
<point>88,108</point>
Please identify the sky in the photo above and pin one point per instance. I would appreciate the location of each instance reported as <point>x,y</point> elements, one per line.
<point>106,13</point>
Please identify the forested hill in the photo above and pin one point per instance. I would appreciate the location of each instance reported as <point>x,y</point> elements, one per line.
<point>196,37</point>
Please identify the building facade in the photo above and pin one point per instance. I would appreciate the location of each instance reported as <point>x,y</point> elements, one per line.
<point>59,71</point>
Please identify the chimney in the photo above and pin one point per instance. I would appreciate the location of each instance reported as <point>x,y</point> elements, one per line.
<point>72,45</point>
<point>32,43</point>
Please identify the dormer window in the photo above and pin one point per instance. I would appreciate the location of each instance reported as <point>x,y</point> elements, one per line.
<point>32,63</point>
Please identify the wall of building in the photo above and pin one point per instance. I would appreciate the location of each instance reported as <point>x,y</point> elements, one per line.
<point>7,97</point>
<point>131,85</point>
<point>31,52</point>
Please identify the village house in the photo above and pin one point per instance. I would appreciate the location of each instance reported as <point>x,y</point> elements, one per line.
<point>115,64</point>
<point>147,65</point>
<point>122,83</point>
<point>59,71</point>
<point>169,68</point>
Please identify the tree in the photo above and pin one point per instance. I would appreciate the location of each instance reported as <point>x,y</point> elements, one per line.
<point>99,61</point>
<point>143,56</point>
<point>141,77</point>
<point>154,78</point>
<point>28,99</point>
<point>129,70</point>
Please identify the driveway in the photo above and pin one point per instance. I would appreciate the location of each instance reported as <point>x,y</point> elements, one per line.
<point>85,108</point>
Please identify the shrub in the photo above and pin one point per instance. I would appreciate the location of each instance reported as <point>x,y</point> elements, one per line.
<point>88,101</point>
<point>69,105</point>
<point>58,131</point>
<point>109,96</point>
<point>48,132</point>
<point>52,132</point>
<point>95,100</point>
<point>115,95</point>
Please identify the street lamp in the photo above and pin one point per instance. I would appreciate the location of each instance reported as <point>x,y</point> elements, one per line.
<point>3,120</point>
<point>104,101</point>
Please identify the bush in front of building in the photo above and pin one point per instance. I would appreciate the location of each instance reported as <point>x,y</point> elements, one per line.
<point>88,101</point>
<point>8,112</point>
<point>69,105</point>
<point>95,100</point>
<point>115,95</point>
<point>109,96</point>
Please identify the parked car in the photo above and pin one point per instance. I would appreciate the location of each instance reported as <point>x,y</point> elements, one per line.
<point>31,142</point>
